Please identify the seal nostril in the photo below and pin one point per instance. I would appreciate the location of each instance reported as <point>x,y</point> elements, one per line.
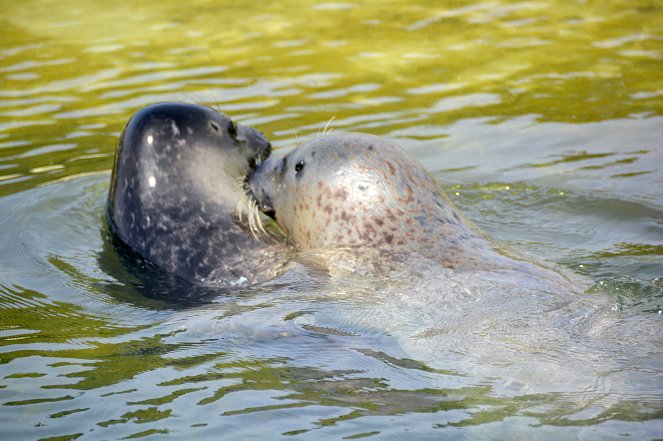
<point>232,130</point>
<point>214,126</point>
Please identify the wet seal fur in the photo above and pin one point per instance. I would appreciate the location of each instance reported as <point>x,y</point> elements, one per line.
<point>363,199</point>
<point>175,188</point>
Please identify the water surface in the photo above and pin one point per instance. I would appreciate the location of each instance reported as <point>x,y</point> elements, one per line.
<point>542,120</point>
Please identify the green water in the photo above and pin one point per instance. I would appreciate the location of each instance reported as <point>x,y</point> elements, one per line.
<point>542,120</point>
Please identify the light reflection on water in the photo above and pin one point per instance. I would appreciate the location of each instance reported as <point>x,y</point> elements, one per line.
<point>541,120</point>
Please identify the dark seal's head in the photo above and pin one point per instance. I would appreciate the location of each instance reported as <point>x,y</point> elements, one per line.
<point>176,183</point>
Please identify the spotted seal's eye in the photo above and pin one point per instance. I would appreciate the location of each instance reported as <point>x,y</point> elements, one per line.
<point>299,167</point>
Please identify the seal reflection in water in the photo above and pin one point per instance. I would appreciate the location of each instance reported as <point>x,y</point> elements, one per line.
<point>175,189</point>
<point>363,198</point>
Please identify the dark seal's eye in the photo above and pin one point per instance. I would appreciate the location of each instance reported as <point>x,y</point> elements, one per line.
<point>299,166</point>
<point>214,126</point>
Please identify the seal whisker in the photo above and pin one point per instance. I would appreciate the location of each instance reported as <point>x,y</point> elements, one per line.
<point>239,209</point>
<point>255,222</point>
<point>249,206</point>
<point>327,129</point>
<point>245,204</point>
<point>252,225</point>
<point>255,212</point>
<point>252,222</point>
<point>242,202</point>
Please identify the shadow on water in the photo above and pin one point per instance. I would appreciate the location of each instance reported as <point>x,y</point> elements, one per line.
<point>138,279</point>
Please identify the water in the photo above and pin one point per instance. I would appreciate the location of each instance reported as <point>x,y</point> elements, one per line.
<point>542,120</point>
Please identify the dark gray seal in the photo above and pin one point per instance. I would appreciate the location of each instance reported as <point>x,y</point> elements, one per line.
<point>174,193</point>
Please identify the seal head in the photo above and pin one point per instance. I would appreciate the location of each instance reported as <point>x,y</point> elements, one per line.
<point>174,191</point>
<point>363,192</point>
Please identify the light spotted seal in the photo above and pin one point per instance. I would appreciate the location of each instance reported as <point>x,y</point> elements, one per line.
<point>365,196</point>
<point>175,188</point>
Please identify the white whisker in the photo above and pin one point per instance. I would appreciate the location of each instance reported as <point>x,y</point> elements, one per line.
<point>248,206</point>
<point>242,203</point>
<point>240,209</point>
<point>255,213</point>
<point>327,130</point>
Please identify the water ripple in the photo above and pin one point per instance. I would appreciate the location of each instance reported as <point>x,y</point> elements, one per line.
<point>541,120</point>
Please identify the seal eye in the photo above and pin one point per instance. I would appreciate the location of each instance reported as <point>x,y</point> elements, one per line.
<point>299,166</point>
<point>214,126</point>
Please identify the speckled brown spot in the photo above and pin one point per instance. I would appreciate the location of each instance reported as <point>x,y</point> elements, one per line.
<point>409,175</point>
<point>410,195</point>
<point>341,194</point>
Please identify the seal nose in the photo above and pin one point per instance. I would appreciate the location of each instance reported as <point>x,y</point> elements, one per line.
<point>258,147</point>
<point>256,188</point>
